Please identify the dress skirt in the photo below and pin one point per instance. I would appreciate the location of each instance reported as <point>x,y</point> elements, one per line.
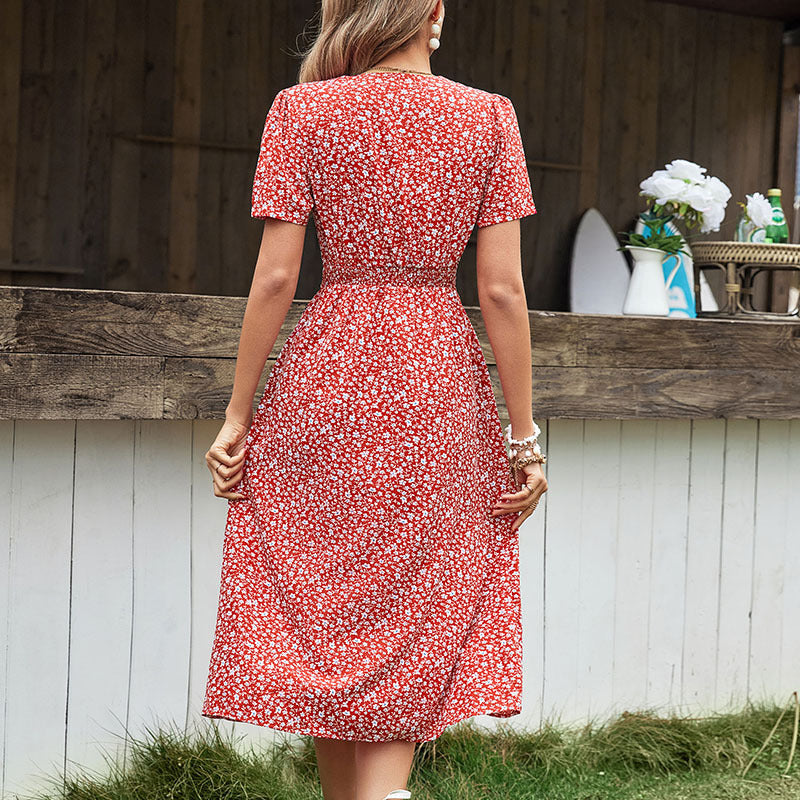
<point>366,593</point>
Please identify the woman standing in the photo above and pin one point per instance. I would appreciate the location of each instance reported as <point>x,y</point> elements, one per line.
<point>370,580</point>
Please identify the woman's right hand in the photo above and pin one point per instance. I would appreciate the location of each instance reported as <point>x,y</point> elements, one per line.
<point>525,500</point>
<point>225,459</point>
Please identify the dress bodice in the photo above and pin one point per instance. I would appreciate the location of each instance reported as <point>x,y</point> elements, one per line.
<point>397,169</point>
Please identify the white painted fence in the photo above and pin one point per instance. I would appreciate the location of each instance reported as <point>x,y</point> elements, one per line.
<point>661,571</point>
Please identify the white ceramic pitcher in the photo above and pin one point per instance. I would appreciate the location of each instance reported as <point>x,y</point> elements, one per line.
<point>647,289</point>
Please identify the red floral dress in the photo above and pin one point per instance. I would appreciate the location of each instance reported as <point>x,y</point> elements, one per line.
<point>365,592</point>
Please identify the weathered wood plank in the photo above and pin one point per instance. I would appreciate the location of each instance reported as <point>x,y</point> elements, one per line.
<point>156,159</point>
<point>125,269</point>
<point>62,244</point>
<point>185,174</point>
<point>589,392</point>
<point>97,96</point>
<point>34,131</point>
<point>140,354</point>
<point>10,74</point>
<point>592,82</point>
<point>89,321</point>
<point>45,386</point>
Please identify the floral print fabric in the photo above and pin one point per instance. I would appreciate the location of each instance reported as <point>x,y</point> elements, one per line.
<point>365,591</point>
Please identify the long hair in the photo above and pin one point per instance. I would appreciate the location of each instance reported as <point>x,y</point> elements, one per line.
<point>353,35</point>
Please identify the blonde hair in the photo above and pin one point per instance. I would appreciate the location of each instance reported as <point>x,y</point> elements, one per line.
<point>353,35</point>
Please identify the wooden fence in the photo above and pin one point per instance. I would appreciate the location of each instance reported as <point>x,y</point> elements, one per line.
<point>659,571</point>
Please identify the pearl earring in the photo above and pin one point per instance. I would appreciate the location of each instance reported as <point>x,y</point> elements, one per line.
<point>436,29</point>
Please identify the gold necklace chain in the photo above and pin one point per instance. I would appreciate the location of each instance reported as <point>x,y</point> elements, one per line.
<point>398,69</point>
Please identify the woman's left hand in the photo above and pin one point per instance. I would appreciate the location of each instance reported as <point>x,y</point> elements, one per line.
<point>526,498</point>
<point>225,458</point>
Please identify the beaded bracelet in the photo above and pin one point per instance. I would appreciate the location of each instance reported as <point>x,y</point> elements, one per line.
<point>524,451</point>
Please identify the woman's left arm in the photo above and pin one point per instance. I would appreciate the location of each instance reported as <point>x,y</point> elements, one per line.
<point>271,293</point>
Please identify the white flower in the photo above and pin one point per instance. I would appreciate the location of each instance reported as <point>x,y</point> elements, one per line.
<point>698,197</point>
<point>718,189</point>
<point>663,188</point>
<point>683,183</point>
<point>686,170</point>
<point>712,218</point>
<point>759,210</point>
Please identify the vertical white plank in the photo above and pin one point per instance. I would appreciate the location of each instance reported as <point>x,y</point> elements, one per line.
<point>774,495</point>
<point>597,567</point>
<point>632,596</point>
<point>102,590</point>
<point>162,581</point>
<point>209,514</point>
<point>668,564</point>
<point>562,580</point>
<point>39,600</point>
<point>208,533</point>
<point>701,606</point>
<point>789,679</point>
<point>736,564</point>
<point>6,482</point>
<point>531,565</point>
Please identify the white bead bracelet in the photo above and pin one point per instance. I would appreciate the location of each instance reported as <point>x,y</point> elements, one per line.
<point>524,451</point>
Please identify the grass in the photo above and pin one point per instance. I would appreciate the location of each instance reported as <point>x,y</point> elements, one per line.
<point>636,756</point>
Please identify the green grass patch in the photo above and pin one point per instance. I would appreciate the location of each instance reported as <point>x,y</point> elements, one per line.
<point>636,756</point>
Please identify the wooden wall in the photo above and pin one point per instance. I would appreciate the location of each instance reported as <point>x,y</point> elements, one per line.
<point>130,129</point>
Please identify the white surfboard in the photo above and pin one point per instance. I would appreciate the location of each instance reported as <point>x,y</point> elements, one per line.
<point>599,273</point>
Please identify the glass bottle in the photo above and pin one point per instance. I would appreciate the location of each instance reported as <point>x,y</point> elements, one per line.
<point>746,230</point>
<point>778,231</point>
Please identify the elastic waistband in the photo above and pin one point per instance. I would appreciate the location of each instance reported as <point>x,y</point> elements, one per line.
<point>367,283</point>
<point>388,275</point>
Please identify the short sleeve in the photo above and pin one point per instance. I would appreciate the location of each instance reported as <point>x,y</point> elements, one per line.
<point>281,186</point>
<point>507,195</point>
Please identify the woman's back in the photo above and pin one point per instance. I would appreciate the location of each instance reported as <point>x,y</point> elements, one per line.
<point>398,167</point>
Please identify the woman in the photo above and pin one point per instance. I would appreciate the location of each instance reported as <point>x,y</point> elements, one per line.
<point>370,579</point>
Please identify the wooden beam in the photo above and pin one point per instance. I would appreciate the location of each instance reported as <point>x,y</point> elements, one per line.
<point>96,354</point>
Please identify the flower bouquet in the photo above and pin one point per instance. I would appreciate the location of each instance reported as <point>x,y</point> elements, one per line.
<point>680,191</point>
